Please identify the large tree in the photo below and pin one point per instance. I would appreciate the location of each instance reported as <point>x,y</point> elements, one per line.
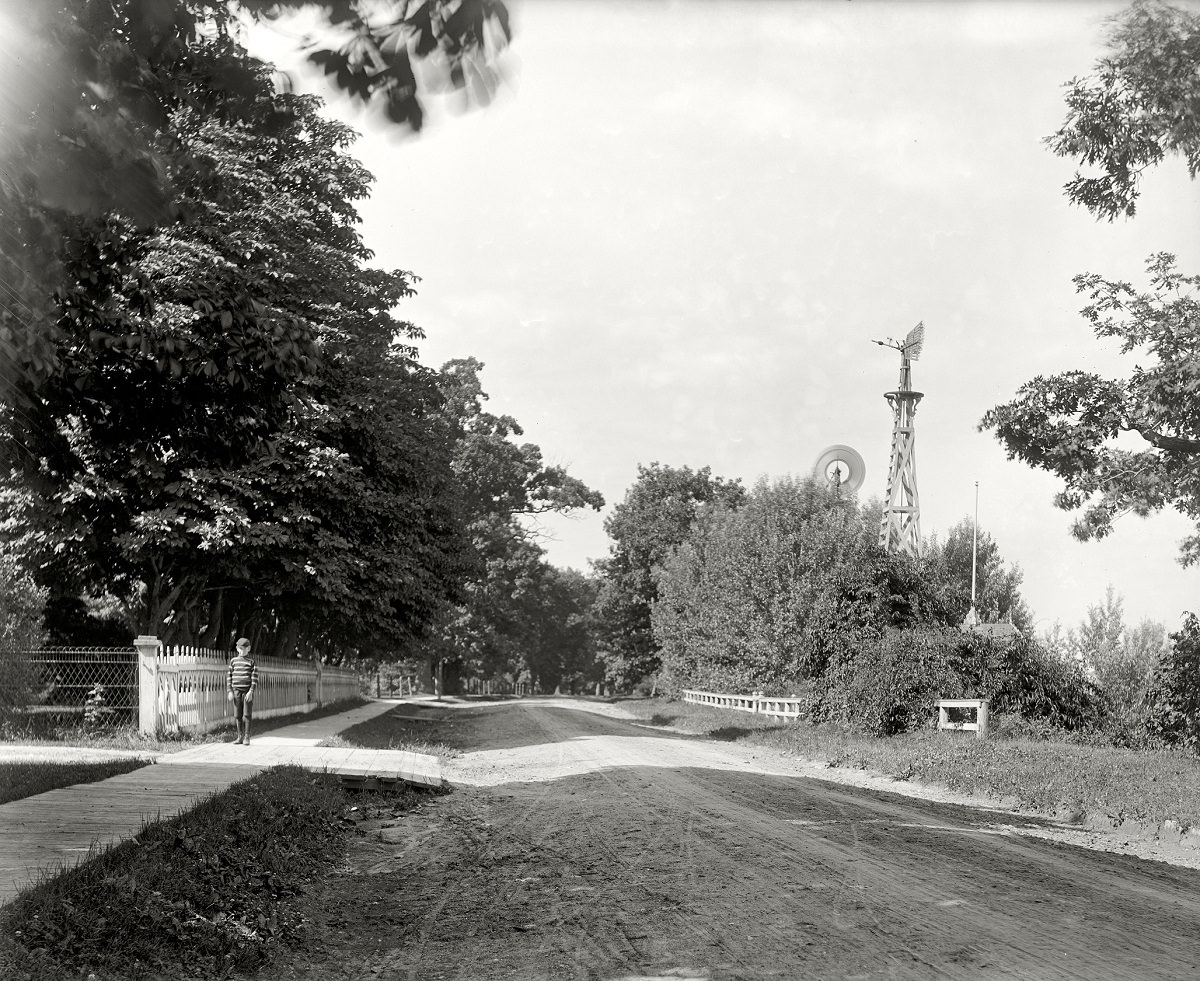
<point>655,517</point>
<point>1126,444</point>
<point>233,431</point>
<point>768,595</point>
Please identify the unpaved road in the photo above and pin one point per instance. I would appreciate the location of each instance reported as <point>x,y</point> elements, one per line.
<point>580,846</point>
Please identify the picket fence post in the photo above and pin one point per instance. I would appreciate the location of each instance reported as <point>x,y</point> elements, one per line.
<point>147,646</point>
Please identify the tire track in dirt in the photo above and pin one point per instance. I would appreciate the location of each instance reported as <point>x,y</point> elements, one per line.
<point>1009,898</point>
<point>583,847</point>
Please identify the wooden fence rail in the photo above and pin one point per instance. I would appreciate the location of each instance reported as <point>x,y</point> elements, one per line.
<point>792,708</point>
<point>756,702</point>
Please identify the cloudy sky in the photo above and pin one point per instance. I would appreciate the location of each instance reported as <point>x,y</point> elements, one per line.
<point>675,234</point>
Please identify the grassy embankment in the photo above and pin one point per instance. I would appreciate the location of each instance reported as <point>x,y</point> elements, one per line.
<point>1042,775</point>
<point>207,893</point>
<point>386,732</point>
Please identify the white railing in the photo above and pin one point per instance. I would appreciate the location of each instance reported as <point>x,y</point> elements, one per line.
<point>184,688</point>
<point>756,702</point>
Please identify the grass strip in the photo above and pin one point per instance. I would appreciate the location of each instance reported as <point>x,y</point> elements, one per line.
<point>432,736</point>
<point>205,894</point>
<point>21,780</point>
<point>1047,776</point>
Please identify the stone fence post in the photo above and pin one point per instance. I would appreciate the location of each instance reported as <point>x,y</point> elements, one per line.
<point>147,646</point>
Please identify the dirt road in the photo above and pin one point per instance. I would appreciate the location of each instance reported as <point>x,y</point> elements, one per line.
<point>580,846</point>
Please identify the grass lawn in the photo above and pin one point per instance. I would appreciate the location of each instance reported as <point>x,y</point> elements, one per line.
<point>21,780</point>
<point>205,894</point>
<point>1046,776</point>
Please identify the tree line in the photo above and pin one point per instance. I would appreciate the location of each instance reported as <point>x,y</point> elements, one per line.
<point>214,422</point>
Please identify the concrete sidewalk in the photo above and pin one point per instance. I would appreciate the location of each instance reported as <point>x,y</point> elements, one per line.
<point>44,834</point>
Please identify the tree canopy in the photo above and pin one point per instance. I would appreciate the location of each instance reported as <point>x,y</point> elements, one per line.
<point>504,623</point>
<point>1137,107</point>
<point>1126,445</point>
<point>654,518</point>
<point>1081,426</point>
<point>231,429</point>
<point>94,90</point>
<point>948,563</point>
<point>769,594</point>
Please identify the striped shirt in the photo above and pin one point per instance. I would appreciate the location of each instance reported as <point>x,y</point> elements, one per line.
<point>243,673</point>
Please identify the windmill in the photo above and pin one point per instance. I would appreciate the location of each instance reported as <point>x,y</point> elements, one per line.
<point>841,467</point>
<point>900,526</point>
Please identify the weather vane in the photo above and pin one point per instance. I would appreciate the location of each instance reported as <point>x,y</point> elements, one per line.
<point>900,526</point>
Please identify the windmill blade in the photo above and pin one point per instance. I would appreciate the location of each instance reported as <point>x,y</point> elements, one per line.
<point>914,342</point>
<point>849,467</point>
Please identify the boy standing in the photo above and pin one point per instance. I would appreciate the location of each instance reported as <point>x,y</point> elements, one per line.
<point>243,676</point>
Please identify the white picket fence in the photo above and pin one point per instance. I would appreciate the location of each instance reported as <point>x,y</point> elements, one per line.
<point>756,702</point>
<point>183,689</point>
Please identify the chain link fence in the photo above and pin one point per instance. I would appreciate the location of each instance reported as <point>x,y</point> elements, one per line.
<point>67,682</point>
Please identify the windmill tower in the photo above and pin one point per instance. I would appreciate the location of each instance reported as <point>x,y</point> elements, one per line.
<point>900,526</point>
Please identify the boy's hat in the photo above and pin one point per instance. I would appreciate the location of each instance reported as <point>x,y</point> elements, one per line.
<point>243,642</point>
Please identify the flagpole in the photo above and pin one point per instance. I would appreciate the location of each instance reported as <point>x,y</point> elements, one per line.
<point>974,545</point>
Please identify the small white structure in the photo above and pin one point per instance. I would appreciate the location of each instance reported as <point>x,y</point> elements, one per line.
<point>980,705</point>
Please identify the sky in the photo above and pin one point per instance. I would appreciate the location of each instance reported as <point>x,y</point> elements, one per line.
<point>676,231</point>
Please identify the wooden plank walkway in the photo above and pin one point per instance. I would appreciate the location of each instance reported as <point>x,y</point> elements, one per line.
<point>56,830</point>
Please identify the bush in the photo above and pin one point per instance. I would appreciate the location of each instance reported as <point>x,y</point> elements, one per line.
<point>890,685</point>
<point>1023,678</point>
<point>1174,697</point>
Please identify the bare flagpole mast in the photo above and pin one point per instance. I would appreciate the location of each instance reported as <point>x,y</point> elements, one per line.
<point>974,551</point>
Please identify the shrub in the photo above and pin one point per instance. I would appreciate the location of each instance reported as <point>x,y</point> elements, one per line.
<point>1023,678</point>
<point>889,685</point>
<point>1174,697</point>
<point>97,716</point>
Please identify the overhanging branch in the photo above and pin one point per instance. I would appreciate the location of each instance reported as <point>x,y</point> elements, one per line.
<point>1173,444</point>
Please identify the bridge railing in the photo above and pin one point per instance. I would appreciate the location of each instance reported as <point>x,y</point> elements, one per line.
<point>756,702</point>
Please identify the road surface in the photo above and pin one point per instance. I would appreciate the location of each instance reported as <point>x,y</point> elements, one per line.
<point>579,846</point>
